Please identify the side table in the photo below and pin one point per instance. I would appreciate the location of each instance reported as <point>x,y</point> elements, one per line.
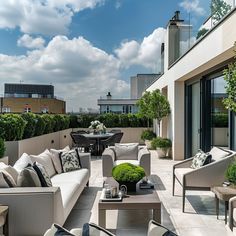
<point>223,194</point>
<point>4,219</point>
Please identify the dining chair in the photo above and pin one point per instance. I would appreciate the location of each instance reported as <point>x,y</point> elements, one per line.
<point>83,142</point>
<point>115,138</point>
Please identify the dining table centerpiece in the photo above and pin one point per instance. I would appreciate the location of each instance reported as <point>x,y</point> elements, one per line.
<point>97,127</point>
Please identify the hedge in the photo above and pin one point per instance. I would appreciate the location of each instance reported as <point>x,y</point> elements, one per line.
<point>20,126</point>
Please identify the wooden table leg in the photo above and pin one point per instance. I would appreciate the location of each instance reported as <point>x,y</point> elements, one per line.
<point>217,207</point>
<point>102,218</point>
<point>157,215</point>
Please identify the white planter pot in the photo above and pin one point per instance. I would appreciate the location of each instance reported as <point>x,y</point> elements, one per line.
<point>4,160</point>
<point>161,152</point>
<point>148,144</point>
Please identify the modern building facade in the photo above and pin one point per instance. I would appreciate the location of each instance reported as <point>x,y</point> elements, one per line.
<point>19,98</point>
<point>194,85</point>
<point>119,106</point>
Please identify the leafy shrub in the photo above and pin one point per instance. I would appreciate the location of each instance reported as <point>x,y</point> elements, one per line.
<point>49,123</point>
<point>220,120</point>
<point>73,121</point>
<point>12,127</point>
<point>231,173</point>
<point>147,135</point>
<point>127,172</point>
<point>31,121</point>
<point>2,147</point>
<point>40,125</point>
<point>58,122</point>
<point>201,32</point>
<point>159,142</point>
<point>66,122</point>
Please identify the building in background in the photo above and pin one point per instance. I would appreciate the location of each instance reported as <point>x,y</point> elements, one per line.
<point>36,98</point>
<point>138,84</point>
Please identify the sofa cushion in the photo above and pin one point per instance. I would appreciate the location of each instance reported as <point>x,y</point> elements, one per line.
<point>28,178</point>
<point>90,229</point>
<point>218,153</point>
<point>180,172</point>
<point>22,162</point>
<point>45,159</point>
<point>126,151</point>
<point>156,229</point>
<point>42,174</point>
<point>6,181</point>
<point>134,162</point>
<point>11,170</point>
<point>70,160</point>
<point>199,159</point>
<point>56,159</point>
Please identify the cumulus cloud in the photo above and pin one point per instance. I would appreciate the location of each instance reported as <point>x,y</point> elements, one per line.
<point>193,6</point>
<point>80,72</point>
<point>147,53</point>
<point>30,42</point>
<point>48,17</point>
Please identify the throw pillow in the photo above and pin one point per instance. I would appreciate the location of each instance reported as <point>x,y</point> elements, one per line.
<point>22,162</point>
<point>219,153</point>
<point>57,230</point>
<point>126,151</point>
<point>70,160</point>
<point>90,229</point>
<point>56,159</point>
<point>42,174</point>
<point>45,159</point>
<point>28,178</point>
<point>199,159</point>
<point>6,180</point>
<point>155,229</point>
<point>11,170</point>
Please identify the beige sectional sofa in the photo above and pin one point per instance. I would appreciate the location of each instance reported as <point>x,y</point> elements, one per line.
<point>32,210</point>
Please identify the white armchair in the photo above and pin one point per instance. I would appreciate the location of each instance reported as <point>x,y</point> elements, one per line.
<point>111,158</point>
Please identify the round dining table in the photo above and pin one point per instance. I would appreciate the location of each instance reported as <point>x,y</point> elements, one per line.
<point>98,137</point>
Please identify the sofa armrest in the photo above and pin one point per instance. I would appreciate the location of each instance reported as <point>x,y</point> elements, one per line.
<point>183,164</point>
<point>209,175</point>
<point>108,158</point>
<point>85,159</point>
<point>144,159</point>
<point>32,210</point>
<point>232,205</point>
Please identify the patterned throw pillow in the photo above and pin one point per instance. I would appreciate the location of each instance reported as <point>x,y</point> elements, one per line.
<point>201,158</point>
<point>90,229</point>
<point>70,160</point>
<point>155,229</point>
<point>57,230</point>
<point>42,174</point>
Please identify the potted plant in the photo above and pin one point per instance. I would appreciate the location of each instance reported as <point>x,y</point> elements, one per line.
<point>147,136</point>
<point>128,174</point>
<point>162,145</point>
<point>230,173</point>
<point>2,152</point>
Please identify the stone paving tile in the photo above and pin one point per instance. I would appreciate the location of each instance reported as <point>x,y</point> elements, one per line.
<point>199,219</point>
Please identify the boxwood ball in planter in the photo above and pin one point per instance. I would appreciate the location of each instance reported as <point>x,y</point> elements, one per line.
<point>231,173</point>
<point>128,174</point>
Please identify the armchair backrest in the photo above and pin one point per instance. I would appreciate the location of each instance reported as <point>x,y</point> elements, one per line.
<point>126,151</point>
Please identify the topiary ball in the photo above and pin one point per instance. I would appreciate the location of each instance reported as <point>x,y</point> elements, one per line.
<point>127,172</point>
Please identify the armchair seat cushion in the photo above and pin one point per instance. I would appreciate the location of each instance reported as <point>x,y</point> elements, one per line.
<point>134,162</point>
<point>180,172</point>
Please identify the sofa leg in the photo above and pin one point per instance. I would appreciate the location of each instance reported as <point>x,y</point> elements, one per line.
<point>87,184</point>
<point>183,206</point>
<point>173,186</point>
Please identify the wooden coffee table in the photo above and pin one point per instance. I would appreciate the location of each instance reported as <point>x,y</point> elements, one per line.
<point>143,199</point>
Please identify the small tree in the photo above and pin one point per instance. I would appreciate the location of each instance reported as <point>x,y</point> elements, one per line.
<point>154,105</point>
<point>219,8</point>
<point>230,78</point>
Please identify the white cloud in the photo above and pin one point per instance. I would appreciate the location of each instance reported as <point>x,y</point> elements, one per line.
<point>48,17</point>
<point>193,6</point>
<point>30,42</point>
<point>118,4</point>
<point>147,53</point>
<point>80,72</point>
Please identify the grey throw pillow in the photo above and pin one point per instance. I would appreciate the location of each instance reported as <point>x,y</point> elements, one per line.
<point>155,229</point>
<point>6,180</point>
<point>28,178</point>
<point>70,160</point>
<point>199,159</point>
<point>90,229</point>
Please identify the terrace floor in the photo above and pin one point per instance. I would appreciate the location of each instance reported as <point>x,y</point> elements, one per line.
<point>199,218</point>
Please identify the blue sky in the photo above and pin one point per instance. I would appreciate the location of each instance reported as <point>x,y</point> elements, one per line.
<point>86,47</point>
